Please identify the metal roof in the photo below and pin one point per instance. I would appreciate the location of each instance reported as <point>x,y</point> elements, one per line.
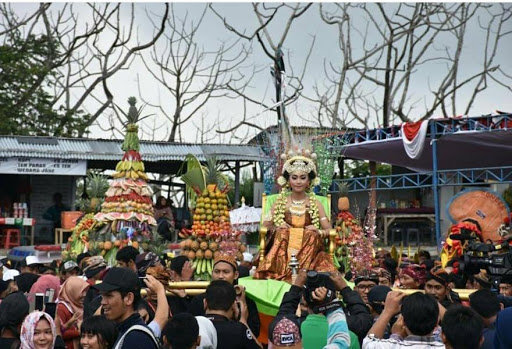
<point>104,149</point>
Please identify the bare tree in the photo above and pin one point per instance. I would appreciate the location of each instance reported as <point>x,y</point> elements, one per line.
<point>272,47</point>
<point>87,51</point>
<point>398,44</point>
<point>190,75</point>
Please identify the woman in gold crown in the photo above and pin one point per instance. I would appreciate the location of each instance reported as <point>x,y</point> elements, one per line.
<point>298,223</point>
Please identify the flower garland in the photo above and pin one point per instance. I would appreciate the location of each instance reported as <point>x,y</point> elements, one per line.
<point>313,210</point>
<point>280,209</point>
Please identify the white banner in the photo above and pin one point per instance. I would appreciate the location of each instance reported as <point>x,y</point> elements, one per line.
<point>43,166</point>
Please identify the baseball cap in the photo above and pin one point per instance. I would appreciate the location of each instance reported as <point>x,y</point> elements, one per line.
<point>93,265</point>
<point>284,332</point>
<point>69,265</point>
<point>119,278</point>
<point>31,260</point>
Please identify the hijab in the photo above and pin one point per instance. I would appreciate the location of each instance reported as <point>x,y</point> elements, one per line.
<point>207,332</point>
<point>29,326</point>
<point>70,292</point>
<point>45,282</point>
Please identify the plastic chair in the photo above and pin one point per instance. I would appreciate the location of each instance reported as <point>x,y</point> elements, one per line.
<point>11,238</point>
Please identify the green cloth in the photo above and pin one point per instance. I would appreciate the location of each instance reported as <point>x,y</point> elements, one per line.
<point>314,333</point>
<point>267,294</point>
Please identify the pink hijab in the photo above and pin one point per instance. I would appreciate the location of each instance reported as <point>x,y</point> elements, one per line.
<point>70,292</point>
<point>44,282</point>
<point>29,327</point>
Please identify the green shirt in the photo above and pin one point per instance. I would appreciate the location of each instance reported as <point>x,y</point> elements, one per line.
<point>314,333</point>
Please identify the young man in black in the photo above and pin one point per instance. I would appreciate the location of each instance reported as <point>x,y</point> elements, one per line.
<point>225,268</point>
<point>120,293</point>
<point>462,328</point>
<point>181,332</point>
<point>126,257</point>
<point>229,317</point>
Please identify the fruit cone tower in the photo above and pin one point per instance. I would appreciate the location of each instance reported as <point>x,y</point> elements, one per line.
<point>127,213</point>
<point>354,246</point>
<point>95,186</point>
<point>211,230</point>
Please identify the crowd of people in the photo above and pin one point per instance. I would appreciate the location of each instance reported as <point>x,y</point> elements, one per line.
<point>95,306</point>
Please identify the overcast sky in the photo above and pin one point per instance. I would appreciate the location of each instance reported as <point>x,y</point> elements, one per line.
<point>303,30</point>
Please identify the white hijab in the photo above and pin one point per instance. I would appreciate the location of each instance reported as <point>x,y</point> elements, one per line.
<point>207,332</point>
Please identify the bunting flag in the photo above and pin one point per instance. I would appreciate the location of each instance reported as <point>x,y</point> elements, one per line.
<point>413,137</point>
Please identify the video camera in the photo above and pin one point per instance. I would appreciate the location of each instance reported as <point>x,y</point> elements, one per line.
<point>315,280</point>
<point>496,259</point>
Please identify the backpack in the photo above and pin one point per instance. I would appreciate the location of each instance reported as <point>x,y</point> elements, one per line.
<point>144,329</point>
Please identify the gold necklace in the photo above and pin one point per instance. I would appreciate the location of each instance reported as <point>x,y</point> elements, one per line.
<point>298,208</point>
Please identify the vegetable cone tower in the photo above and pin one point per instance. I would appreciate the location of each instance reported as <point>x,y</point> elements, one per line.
<point>127,210</point>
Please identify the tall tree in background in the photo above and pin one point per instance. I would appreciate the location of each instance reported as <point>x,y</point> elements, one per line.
<point>188,75</point>
<point>62,62</point>
<point>398,46</point>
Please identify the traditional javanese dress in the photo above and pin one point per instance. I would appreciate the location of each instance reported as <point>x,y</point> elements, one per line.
<point>307,245</point>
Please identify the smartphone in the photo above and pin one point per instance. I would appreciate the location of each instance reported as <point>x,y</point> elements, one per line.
<point>39,303</point>
<point>50,308</point>
<point>48,295</point>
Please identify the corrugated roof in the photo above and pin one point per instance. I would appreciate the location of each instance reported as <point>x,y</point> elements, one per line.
<point>102,149</point>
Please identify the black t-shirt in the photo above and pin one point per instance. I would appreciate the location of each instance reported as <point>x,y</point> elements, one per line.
<point>196,308</point>
<point>231,334</point>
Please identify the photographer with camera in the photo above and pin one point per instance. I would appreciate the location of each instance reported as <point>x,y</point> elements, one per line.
<point>225,268</point>
<point>358,317</point>
<point>419,316</point>
<point>229,317</point>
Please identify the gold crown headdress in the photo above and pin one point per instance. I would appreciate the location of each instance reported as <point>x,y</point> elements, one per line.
<point>298,162</point>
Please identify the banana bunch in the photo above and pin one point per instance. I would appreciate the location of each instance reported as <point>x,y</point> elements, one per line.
<point>203,268</point>
<point>120,174</point>
<point>127,165</point>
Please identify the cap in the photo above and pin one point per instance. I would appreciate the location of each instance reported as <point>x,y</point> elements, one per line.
<point>31,260</point>
<point>378,294</point>
<point>483,279</point>
<point>119,278</point>
<point>366,275</point>
<point>226,258</point>
<point>10,274</point>
<point>283,331</point>
<point>93,265</point>
<point>69,265</point>
<point>145,260</point>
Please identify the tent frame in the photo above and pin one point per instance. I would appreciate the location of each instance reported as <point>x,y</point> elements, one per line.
<point>435,178</point>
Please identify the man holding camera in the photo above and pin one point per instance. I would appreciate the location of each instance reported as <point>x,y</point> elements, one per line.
<point>225,268</point>
<point>358,317</point>
<point>229,317</point>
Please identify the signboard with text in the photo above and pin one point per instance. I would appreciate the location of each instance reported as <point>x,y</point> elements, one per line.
<point>42,166</point>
